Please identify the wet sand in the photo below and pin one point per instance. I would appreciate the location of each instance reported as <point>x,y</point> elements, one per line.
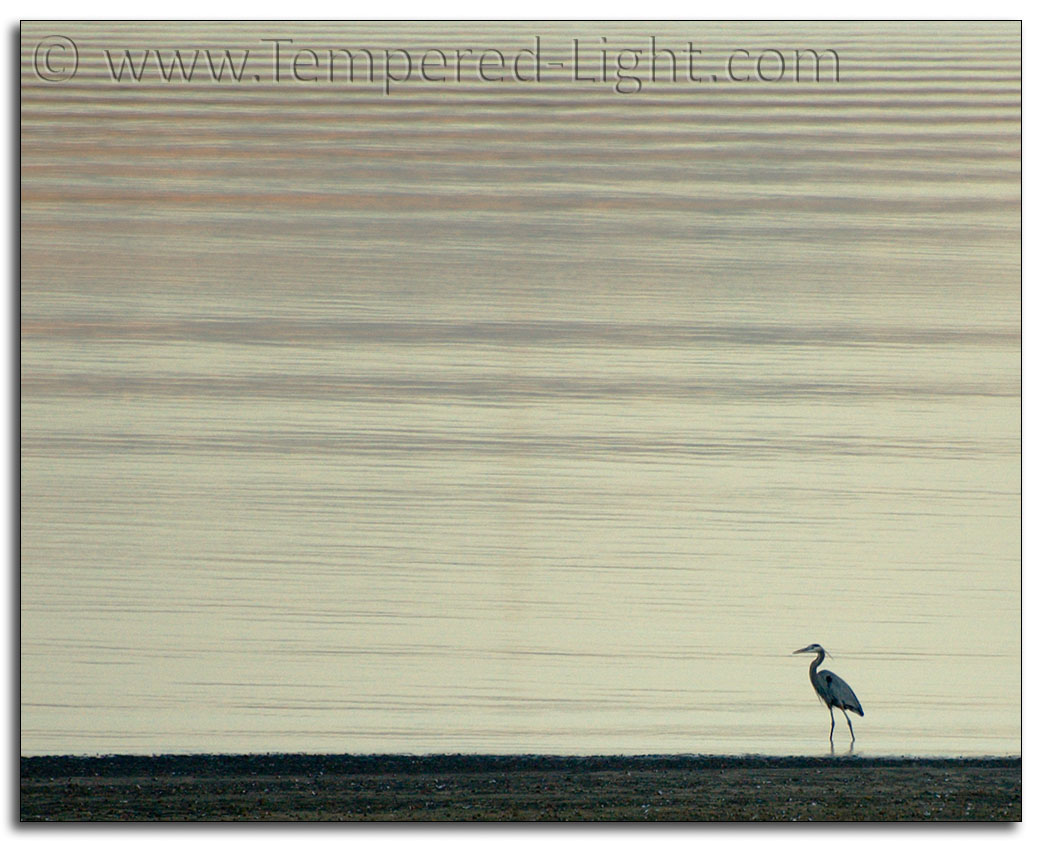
<point>300,787</point>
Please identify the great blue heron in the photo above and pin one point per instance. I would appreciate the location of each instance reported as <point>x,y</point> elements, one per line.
<point>832,689</point>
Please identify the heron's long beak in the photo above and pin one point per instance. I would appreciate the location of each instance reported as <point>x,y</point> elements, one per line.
<point>801,651</point>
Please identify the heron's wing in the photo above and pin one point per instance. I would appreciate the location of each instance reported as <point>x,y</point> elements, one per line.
<point>840,693</point>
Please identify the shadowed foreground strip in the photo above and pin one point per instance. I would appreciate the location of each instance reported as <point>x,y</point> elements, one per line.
<point>523,787</point>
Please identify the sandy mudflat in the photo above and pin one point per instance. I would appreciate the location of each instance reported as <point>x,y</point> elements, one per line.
<point>517,788</point>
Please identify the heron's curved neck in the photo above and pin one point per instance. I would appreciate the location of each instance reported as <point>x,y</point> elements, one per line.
<point>817,663</point>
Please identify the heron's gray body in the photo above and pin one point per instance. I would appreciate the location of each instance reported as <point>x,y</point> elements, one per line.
<point>832,689</point>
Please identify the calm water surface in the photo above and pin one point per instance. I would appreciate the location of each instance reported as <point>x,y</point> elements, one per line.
<point>522,418</point>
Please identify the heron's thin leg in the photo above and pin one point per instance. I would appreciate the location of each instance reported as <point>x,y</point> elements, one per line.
<point>851,727</point>
<point>832,716</point>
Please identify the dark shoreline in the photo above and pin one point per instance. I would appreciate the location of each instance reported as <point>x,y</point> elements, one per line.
<point>325,787</point>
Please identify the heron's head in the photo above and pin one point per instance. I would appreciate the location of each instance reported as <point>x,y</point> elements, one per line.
<point>814,647</point>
